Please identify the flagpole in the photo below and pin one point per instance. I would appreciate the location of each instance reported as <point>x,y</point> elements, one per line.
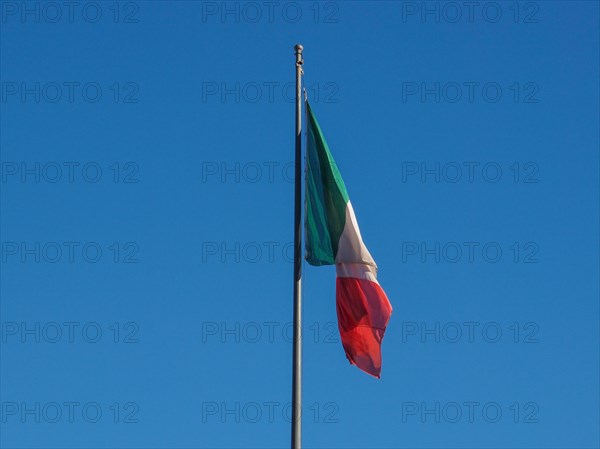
<point>297,349</point>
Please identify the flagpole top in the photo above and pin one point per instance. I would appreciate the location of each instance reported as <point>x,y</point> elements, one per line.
<point>299,58</point>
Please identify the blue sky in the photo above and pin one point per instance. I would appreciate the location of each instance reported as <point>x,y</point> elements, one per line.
<point>147,195</point>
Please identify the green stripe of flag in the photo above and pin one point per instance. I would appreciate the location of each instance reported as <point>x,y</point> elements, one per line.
<point>326,198</point>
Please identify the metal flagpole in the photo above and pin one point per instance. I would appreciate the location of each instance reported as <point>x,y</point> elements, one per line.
<point>297,350</point>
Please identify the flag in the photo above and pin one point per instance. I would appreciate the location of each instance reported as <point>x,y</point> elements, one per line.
<point>333,237</point>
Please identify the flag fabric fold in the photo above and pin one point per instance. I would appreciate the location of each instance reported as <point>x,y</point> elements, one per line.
<point>333,238</point>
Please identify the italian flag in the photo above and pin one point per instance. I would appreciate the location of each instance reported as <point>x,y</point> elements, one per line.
<point>333,237</point>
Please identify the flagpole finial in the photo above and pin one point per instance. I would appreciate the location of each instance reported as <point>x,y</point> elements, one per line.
<point>299,59</point>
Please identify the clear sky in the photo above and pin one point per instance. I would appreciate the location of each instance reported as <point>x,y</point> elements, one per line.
<point>147,199</point>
